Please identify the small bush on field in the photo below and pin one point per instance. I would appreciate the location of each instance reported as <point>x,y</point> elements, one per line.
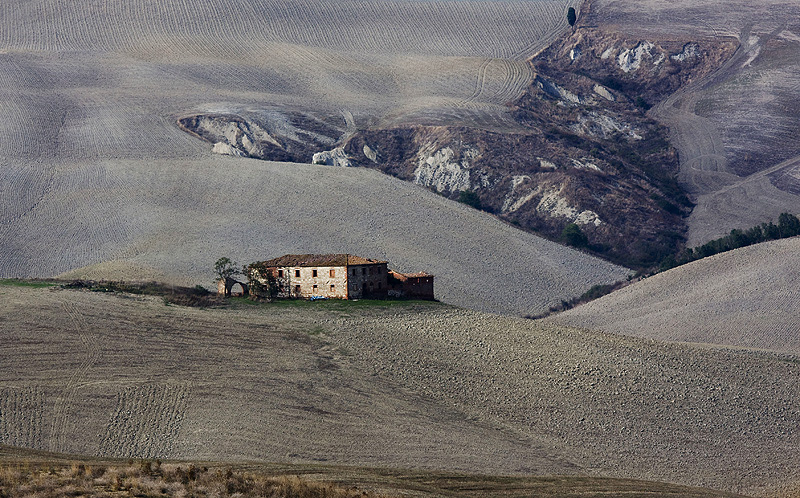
<point>470,198</point>
<point>573,235</point>
<point>571,16</point>
<point>595,292</point>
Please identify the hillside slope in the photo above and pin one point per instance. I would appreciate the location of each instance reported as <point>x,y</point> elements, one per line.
<point>94,171</point>
<point>575,147</point>
<point>172,219</point>
<point>747,297</point>
<point>405,385</point>
<point>735,130</point>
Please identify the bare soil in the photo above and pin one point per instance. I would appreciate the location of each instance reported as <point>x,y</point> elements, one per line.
<point>744,298</point>
<point>408,385</point>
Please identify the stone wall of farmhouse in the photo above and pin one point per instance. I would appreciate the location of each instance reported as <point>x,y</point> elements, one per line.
<point>306,282</point>
<point>334,282</point>
<point>368,281</point>
<point>413,287</point>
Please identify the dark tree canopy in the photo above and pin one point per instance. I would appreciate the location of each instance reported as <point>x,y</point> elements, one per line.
<point>788,226</point>
<point>470,198</point>
<point>261,280</point>
<point>571,16</point>
<point>574,236</point>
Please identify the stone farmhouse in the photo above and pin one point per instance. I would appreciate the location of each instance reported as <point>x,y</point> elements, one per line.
<point>343,276</point>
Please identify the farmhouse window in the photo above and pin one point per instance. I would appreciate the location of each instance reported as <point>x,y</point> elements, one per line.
<point>297,289</point>
<point>315,288</point>
<point>333,272</point>
<point>354,272</point>
<point>333,288</point>
<point>280,273</point>
<point>297,273</point>
<point>313,273</point>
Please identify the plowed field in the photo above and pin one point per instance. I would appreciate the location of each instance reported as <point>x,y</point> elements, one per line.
<point>409,385</point>
<point>745,298</point>
<point>94,171</point>
<point>736,129</point>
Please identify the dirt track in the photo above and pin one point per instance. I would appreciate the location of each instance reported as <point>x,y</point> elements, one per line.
<point>724,199</point>
<point>426,386</point>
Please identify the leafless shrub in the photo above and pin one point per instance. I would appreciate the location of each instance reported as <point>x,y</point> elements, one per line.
<point>143,480</point>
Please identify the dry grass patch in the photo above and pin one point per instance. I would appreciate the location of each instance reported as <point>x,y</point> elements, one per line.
<point>152,479</point>
<point>50,475</point>
<point>198,296</point>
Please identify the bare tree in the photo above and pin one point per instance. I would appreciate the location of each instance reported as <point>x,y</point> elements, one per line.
<point>226,269</point>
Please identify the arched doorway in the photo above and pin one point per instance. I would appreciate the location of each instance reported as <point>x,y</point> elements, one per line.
<point>237,290</point>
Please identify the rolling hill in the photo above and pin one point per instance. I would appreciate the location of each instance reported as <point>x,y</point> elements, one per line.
<point>96,174</point>
<point>744,298</point>
<point>97,180</point>
<point>403,385</point>
<point>735,129</point>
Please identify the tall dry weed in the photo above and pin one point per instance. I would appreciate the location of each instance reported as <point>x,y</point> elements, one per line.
<point>157,480</point>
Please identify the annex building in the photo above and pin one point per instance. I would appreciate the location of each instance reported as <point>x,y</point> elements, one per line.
<point>343,276</point>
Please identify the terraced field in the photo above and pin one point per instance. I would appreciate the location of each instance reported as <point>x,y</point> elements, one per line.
<point>744,298</point>
<point>361,56</point>
<point>21,417</point>
<point>443,28</point>
<point>408,385</point>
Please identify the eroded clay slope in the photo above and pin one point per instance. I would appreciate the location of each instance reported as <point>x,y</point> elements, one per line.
<point>576,147</point>
<point>736,129</point>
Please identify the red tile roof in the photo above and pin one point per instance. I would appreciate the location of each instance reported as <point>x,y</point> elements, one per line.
<point>320,260</point>
<point>405,276</point>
